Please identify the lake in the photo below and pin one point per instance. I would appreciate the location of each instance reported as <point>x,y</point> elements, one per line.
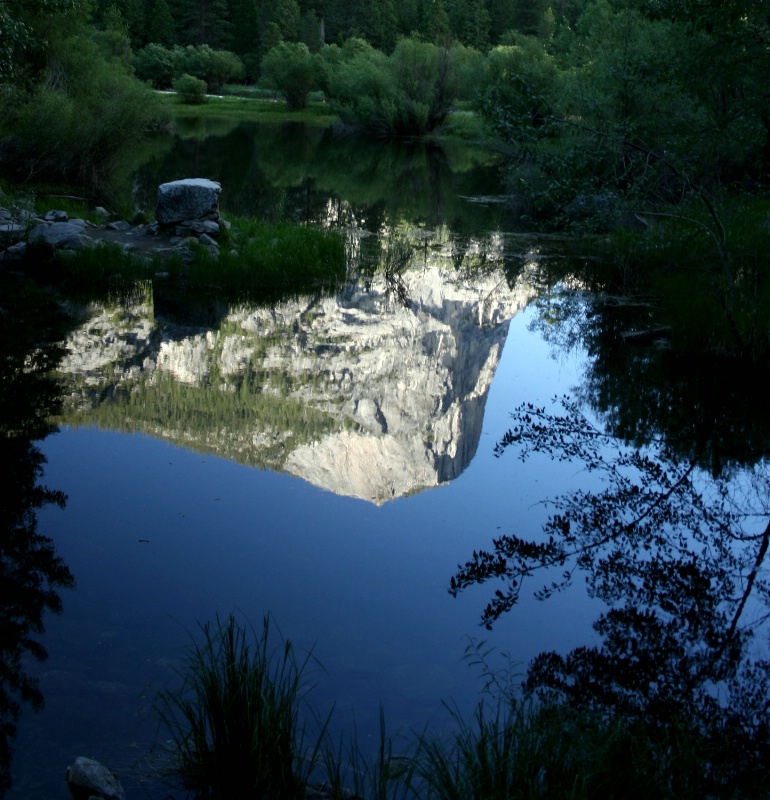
<point>327,460</point>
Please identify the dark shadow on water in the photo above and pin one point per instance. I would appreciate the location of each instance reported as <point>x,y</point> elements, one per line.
<point>668,524</point>
<point>31,573</point>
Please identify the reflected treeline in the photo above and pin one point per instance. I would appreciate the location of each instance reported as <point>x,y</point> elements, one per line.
<point>707,408</point>
<point>671,534</point>
<point>301,173</point>
<point>31,574</point>
<point>678,557</point>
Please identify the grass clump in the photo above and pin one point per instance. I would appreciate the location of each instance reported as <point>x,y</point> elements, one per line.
<point>269,260</point>
<point>234,725</point>
<point>235,733</point>
<point>529,750</point>
<point>257,261</point>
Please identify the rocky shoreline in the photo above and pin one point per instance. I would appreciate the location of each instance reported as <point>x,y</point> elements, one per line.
<point>187,214</point>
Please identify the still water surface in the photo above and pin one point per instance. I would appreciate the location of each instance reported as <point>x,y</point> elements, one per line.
<point>327,460</point>
<point>364,585</point>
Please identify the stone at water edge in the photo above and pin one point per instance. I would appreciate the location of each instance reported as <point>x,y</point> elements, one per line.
<point>55,235</point>
<point>88,778</point>
<point>190,198</point>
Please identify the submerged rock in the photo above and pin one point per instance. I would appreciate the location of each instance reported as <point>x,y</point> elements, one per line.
<point>88,778</point>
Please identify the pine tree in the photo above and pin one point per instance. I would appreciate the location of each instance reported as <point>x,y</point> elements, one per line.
<point>245,26</point>
<point>502,14</point>
<point>310,31</point>
<point>470,22</point>
<point>217,27</point>
<point>134,13</point>
<point>529,16</point>
<point>186,20</point>
<point>287,17</point>
<point>160,24</point>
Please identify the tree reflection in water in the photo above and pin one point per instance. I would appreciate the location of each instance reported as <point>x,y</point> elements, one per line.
<point>678,557</point>
<point>31,574</point>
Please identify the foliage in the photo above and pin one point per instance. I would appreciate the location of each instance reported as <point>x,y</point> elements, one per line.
<point>156,63</point>
<point>190,90</point>
<point>80,122</point>
<point>293,70</point>
<point>678,560</point>
<point>519,91</point>
<point>31,572</point>
<point>23,31</point>
<point>408,93</point>
<point>235,723</point>
<point>162,65</point>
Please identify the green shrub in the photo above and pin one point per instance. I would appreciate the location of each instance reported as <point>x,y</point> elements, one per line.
<point>519,89</point>
<point>292,69</point>
<point>162,65</point>
<point>79,124</point>
<point>408,93</point>
<point>156,64</point>
<point>190,90</point>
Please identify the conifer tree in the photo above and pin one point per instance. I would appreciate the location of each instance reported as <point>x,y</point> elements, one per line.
<point>245,26</point>
<point>160,24</point>
<point>287,17</point>
<point>310,31</point>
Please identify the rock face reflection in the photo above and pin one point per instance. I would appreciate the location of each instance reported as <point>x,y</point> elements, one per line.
<point>358,394</point>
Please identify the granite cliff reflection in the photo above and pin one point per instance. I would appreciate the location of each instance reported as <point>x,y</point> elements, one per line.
<point>360,394</point>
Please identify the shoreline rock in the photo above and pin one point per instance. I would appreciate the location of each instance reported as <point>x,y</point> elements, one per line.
<point>188,211</point>
<point>88,778</point>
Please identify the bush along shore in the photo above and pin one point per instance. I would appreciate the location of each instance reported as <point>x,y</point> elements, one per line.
<point>188,248</point>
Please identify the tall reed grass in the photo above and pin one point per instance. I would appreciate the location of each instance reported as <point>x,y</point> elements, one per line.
<point>235,732</point>
<point>234,727</point>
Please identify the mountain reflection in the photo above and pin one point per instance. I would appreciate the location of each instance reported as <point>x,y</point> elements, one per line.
<point>31,574</point>
<point>372,394</point>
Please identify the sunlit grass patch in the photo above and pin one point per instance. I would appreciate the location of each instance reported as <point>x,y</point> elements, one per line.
<point>256,261</point>
<point>265,260</point>
<point>256,107</point>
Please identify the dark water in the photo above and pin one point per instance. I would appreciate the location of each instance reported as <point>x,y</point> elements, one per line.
<point>331,460</point>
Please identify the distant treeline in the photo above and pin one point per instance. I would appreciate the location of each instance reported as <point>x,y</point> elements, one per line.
<point>252,27</point>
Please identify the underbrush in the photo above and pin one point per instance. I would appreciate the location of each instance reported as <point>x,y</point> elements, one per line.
<point>240,725</point>
<point>709,274</point>
<point>258,261</point>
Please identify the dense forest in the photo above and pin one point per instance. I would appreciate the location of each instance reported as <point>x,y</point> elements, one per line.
<point>252,26</point>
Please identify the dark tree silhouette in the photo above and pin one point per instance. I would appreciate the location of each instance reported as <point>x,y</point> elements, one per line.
<point>31,573</point>
<point>678,557</point>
